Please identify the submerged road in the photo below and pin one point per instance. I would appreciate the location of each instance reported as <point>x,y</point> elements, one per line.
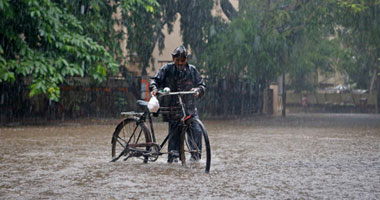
<point>302,156</point>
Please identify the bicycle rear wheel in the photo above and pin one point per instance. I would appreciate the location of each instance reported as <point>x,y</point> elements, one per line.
<point>195,146</point>
<point>134,133</point>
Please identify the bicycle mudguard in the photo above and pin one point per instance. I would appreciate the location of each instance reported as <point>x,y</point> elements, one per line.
<point>119,126</point>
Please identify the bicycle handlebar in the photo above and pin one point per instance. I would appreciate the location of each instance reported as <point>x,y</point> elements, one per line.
<point>176,93</point>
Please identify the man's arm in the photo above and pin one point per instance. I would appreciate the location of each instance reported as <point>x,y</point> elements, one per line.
<point>157,80</point>
<point>199,82</point>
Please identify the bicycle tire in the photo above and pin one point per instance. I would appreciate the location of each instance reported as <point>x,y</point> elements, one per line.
<point>190,148</point>
<point>124,132</point>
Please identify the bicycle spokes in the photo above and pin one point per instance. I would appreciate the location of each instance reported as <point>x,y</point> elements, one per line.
<point>131,139</point>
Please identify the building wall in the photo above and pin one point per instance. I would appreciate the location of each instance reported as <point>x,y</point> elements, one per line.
<point>172,40</point>
<point>330,80</point>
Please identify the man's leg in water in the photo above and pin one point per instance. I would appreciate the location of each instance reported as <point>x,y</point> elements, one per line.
<point>175,128</point>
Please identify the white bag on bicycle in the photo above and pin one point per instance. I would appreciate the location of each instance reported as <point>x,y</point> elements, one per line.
<point>153,104</point>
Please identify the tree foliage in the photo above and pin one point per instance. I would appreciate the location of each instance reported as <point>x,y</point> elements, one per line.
<point>48,41</point>
<point>255,43</point>
<point>145,29</point>
<point>360,35</point>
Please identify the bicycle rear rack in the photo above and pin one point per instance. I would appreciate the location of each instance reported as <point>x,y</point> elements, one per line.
<point>132,114</point>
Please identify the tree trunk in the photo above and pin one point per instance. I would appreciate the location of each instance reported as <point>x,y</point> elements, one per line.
<point>377,102</point>
<point>228,9</point>
<point>283,93</point>
<point>284,62</point>
<point>378,96</point>
<point>373,80</point>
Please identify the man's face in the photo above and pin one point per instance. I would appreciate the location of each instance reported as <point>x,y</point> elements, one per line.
<point>179,62</point>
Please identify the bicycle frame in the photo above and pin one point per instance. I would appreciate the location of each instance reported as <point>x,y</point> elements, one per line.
<point>184,117</point>
<point>147,115</point>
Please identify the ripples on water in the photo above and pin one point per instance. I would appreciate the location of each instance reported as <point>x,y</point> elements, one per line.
<point>302,156</point>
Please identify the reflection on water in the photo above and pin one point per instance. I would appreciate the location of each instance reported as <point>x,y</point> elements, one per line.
<point>302,156</point>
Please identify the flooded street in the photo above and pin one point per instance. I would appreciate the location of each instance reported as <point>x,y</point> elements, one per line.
<point>304,156</point>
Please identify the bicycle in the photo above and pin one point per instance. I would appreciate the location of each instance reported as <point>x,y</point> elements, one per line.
<point>133,138</point>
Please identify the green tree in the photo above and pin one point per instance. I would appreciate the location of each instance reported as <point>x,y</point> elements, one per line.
<point>269,38</point>
<point>311,54</point>
<point>48,41</point>
<point>97,20</point>
<point>196,20</point>
<point>242,50</point>
<point>257,40</point>
<point>144,29</point>
<point>360,33</point>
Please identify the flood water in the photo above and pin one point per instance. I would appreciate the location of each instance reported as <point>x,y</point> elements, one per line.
<point>304,156</point>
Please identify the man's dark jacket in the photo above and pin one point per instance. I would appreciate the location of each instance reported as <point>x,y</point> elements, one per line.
<point>178,80</point>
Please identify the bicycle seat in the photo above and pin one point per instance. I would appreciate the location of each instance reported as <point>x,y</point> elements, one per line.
<point>142,103</point>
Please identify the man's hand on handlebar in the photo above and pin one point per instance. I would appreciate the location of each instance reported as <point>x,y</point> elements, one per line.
<point>194,91</point>
<point>154,92</point>
<point>196,94</point>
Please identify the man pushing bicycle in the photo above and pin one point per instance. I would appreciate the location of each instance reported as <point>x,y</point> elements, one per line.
<point>179,76</point>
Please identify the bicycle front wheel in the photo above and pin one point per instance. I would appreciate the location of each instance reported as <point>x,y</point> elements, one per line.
<point>130,132</point>
<point>195,146</point>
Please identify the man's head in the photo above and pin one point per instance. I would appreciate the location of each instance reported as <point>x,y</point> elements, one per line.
<point>180,57</point>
